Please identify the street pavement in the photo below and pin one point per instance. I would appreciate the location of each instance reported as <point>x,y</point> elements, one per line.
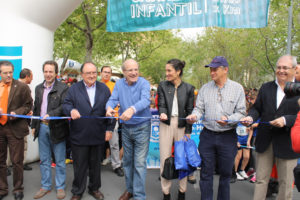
<point>113,186</point>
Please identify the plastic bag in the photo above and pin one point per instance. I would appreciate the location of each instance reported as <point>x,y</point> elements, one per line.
<point>180,156</point>
<point>192,154</point>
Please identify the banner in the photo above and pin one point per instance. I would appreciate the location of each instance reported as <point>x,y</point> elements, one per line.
<point>149,15</point>
<point>153,159</point>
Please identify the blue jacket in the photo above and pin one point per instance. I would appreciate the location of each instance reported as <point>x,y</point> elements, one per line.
<point>88,130</point>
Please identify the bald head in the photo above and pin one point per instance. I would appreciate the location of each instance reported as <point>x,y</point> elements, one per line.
<point>130,70</point>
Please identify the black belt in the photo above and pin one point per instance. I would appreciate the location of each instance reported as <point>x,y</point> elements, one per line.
<point>219,132</point>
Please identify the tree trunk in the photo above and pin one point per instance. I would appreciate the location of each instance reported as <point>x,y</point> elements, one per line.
<point>63,64</point>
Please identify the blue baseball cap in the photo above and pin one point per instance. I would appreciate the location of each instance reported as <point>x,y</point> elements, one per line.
<point>217,62</point>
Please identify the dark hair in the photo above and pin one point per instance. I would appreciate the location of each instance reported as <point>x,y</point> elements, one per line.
<point>105,66</point>
<point>177,64</point>
<point>81,68</point>
<point>25,73</point>
<point>51,62</point>
<point>6,63</point>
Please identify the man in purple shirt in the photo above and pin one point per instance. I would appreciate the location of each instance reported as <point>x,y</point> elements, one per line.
<point>49,97</point>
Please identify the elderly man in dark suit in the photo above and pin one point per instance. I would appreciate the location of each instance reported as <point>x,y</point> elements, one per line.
<point>273,141</point>
<point>88,134</point>
<point>15,98</point>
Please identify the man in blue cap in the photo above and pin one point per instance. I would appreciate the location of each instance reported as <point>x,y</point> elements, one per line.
<point>222,103</point>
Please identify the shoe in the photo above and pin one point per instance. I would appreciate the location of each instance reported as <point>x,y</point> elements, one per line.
<point>181,195</point>
<point>233,178</point>
<point>42,192</point>
<point>167,197</point>
<point>253,179</point>
<point>60,194</point>
<point>27,167</point>
<point>119,171</point>
<point>126,196</point>
<point>53,165</point>
<point>96,194</point>
<point>250,172</point>
<point>2,196</point>
<point>75,197</point>
<point>18,195</point>
<point>8,172</point>
<point>239,177</point>
<point>243,174</point>
<point>191,179</point>
<point>105,161</point>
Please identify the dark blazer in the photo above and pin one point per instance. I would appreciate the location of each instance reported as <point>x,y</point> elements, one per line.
<point>265,108</point>
<point>185,97</point>
<point>59,129</point>
<point>20,102</point>
<point>88,131</point>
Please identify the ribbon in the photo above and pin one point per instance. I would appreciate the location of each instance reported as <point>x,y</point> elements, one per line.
<point>98,117</point>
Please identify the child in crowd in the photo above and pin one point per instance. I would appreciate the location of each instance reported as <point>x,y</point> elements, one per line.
<point>243,151</point>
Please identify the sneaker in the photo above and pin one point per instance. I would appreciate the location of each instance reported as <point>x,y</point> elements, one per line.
<point>105,161</point>
<point>250,172</point>
<point>253,179</point>
<point>243,174</point>
<point>41,193</point>
<point>239,177</point>
<point>53,165</point>
<point>60,194</point>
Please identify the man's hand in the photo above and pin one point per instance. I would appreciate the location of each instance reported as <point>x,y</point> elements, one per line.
<point>108,135</point>
<point>12,118</point>
<point>33,131</point>
<point>222,122</point>
<point>191,119</point>
<point>110,112</point>
<point>163,117</point>
<point>127,114</point>
<point>75,114</point>
<point>279,122</point>
<point>45,117</point>
<point>30,113</point>
<point>246,121</point>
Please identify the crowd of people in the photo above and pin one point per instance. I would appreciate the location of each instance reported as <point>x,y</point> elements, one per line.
<point>235,120</point>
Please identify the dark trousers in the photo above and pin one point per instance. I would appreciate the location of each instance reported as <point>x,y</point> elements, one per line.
<point>16,152</point>
<point>220,147</point>
<point>86,159</point>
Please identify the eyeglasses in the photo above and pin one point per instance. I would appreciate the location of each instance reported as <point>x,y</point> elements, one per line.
<point>219,95</point>
<point>90,73</point>
<point>283,68</point>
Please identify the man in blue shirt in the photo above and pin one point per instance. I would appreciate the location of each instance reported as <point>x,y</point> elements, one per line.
<point>133,95</point>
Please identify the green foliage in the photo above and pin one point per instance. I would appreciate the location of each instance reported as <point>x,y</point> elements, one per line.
<point>251,53</point>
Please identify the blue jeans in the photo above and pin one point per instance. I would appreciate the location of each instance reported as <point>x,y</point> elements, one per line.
<point>220,147</point>
<point>59,150</point>
<point>135,140</point>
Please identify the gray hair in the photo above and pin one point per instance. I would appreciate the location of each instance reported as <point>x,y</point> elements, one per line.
<point>293,58</point>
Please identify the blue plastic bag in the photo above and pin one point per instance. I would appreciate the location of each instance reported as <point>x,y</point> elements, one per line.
<point>179,155</point>
<point>184,173</point>
<point>192,154</point>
